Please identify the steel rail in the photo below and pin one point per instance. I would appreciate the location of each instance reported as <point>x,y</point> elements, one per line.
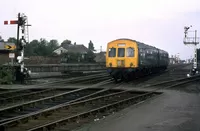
<point>117,94</point>
<point>32,96</point>
<point>8,93</point>
<point>88,113</point>
<point>170,81</point>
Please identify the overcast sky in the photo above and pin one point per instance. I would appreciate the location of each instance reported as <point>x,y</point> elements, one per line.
<point>158,23</point>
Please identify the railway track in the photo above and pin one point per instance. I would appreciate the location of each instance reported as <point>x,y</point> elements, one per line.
<point>173,72</point>
<point>19,116</point>
<point>10,98</point>
<point>93,80</point>
<point>163,84</point>
<point>76,79</point>
<point>54,83</point>
<point>74,109</point>
<point>31,94</point>
<point>16,110</point>
<point>79,110</point>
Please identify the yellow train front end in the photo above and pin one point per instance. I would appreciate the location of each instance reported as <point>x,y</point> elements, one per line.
<point>121,58</point>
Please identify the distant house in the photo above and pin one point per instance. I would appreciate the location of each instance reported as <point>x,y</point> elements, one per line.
<point>72,49</point>
<point>100,57</point>
<point>60,50</point>
<point>74,53</point>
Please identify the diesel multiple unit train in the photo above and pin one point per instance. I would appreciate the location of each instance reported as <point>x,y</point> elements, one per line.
<point>126,58</point>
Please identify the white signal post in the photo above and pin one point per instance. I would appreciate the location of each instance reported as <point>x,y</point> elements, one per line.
<point>22,23</point>
<point>192,41</point>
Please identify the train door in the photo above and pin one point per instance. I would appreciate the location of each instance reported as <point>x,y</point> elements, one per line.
<point>121,56</point>
<point>130,56</point>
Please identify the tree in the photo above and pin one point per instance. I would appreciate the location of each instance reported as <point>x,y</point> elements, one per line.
<point>53,44</point>
<point>66,43</point>
<point>41,47</point>
<point>12,40</point>
<point>90,56</point>
<point>31,48</point>
<point>91,46</point>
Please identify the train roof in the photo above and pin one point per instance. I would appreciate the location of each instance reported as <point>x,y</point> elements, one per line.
<point>142,45</point>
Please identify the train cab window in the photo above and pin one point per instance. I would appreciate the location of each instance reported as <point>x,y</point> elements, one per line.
<point>121,52</point>
<point>112,52</point>
<point>130,52</point>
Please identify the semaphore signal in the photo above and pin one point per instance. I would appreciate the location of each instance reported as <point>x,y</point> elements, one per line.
<point>11,22</point>
<point>22,23</point>
<point>192,41</point>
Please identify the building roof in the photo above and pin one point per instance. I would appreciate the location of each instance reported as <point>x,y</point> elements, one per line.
<point>59,48</point>
<point>66,45</point>
<point>75,48</point>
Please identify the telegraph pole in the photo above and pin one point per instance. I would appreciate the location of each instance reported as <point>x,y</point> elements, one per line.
<point>192,41</point>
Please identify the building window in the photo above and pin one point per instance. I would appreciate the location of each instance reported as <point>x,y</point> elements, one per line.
<point>121,52</point>
<point>130,52</point>
<point>112,52</point>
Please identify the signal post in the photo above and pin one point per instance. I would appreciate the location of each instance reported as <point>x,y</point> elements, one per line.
<point>192,41</point>
<point>22,23</point>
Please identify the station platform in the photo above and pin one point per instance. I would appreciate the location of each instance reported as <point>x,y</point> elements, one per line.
<point>172,111</point>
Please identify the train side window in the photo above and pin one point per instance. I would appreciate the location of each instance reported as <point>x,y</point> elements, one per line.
<point>112,52</point>
<point>121,52</point>
<point>130,52</point>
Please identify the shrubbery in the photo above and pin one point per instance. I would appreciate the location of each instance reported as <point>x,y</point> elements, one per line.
<point>5,76</point>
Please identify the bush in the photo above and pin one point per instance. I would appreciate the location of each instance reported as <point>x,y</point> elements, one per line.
<point>5,76</point>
